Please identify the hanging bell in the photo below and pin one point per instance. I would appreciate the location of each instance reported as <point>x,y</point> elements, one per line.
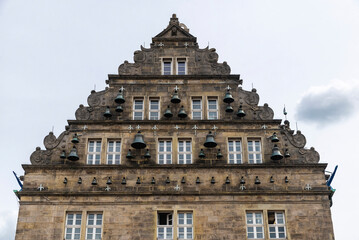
<point>120,99</point>
<point>286,180</point>
<point>65,181</point>
<point>271,180</point>
<point>182,113</point>
<point>240,112</point>
<point>138,142</point>
<point>123,182</point>
<point>79,181</point>
<point>109,181</point>
<point>107,113</point>
<point>201,154</point>
<point>138,180</point>
<point>219,154</point>
<point>257,181</point>
<point>119,109</point>
<point>63,154</point>
<point>274,138</point>
<point>276,155</point>
<point>153,180</point>
<point>73,155</point>
<point>227,180</point>
<point>168,113</point>
<point>198,181</point>
<point>75,139</point>
<point>210,143</point>
<point>213,181</point>
<point>175,98</point>
<point>168,180</point>
<point>129,154</point>
<point>242,180</point>
<point>183,180</point>
<point>94,181</point>
<point>229,109</point>
<point>286,153</point>
<point>228,97</point>
<point>147,154</point>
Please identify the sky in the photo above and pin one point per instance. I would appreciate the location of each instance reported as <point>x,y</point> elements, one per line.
<point>301,54</point>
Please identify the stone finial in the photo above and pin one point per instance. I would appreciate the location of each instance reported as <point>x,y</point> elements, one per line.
<point>174,20</point>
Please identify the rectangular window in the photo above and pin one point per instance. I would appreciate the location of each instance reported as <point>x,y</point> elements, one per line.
<point>254,151</point>
<point>165,152</point>
<point>197,109</point>
<point>164,225</point>
<point>154,109</point>
<point>114,152</point>
<point>276,225</point>
<point>254,225</point>
<point>234,152</point>
<point>184,152</point>
<point>94,226</point>
<point>167,67</point>
<point>181,67</point>
<point>94,152</point>
<point>138,109</point>
<point>185,226</point>
<point>73,226</point>
<point>212,109</point>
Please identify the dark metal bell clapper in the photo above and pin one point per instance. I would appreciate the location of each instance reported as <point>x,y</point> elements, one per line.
<point>182,113</point>
<point>107,113</point>
<point>73,155</point>
<point>120,99</point>
<point>276,155</point>
<point>168,113</point>
<point>240,112</point>
<point>138,142</point>
<point>210,143</point>
<point>175,98</point>
<point>228,97</point>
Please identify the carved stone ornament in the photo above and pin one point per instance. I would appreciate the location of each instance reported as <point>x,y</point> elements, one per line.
<point>51,142</point>
<point>127,68</point>
<point>40,157</point>
<point>95,98</point>
<point>297,140</point>
<point>310,155</point>
<point>251,98</point>
<point>82,113</point>
<point>266,113</point>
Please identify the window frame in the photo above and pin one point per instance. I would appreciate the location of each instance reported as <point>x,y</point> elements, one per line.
<point>73,227</point>
<point>113,153</point>
<point>94,153</point>
<point>134,110</point>
<point>178,61</point>
<point>235,152</point>
<point>150,110</point>
<point>165,62</point>
<point>185,152</point>
<point>255,225</point>
<point>276,225</point>
<point>94,226</point>
<point>212,110</point>
<point>167,226</point>
<point>185,225</point>
<point>196,110</point>
<point>165,153</point>
<point>254,151</point>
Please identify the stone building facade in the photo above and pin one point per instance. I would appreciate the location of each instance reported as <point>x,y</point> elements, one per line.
<point>174,148</point>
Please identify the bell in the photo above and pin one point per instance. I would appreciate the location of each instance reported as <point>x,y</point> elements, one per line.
<point>94,181</point>
<point>286,153</point>
<point>183,180</point>
<point>210,143</point>
<point>213,181</point>
<point>65,180</point>
<point>274,138</point>
<point>73,154</point>
<point>75,139</point>
<point>201,154</point>
<point>119,109</point>
<point>271,180</point>
<point>240,112</point>
<point>120,99</point>
<point>198,181</point>
<point>123,182</point>
<point>129,154</point>
<point>227,180</point>
<point>175,98</point>
<point>228,97</point>
<point>138,142</point>
<point>168,113</point>
<point>63,154</point>
<point>286,180</point>
<point>147,154</point>
<point>257,181</point>
<point>109,181</point>
<point>276,155</point>
<point>219,154</point>
<point>242,180</point>
<point>182,113</point>
<point>107,113</point>
<point>79,181</point>
<point>153,180</point>
<point>229,109</point>
<point>168,180</point>
<point>138,180</point>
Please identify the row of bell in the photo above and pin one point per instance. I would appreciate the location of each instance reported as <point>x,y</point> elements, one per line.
<point>73,156</point>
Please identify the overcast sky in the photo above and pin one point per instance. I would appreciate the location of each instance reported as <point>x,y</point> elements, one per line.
<point>304,54</point>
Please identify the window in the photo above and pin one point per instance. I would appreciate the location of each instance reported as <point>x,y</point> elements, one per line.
<point>181,67</point>
<point>197,109</point>
<point>164,225</point>
<point>94,226</point>
<point>212,109</point>
<point>114,152</point>
<point>184,152</point>
<point>94,152</point>
<point>138,109</point>
<point>185,226</point>
<point>234,152</point>
<point>154,109</point>
<point>254,225</point>
<point>167,67</point>
<point>254,151</point>
<point>276,225</point>
<point>165,152</point>
<point>73,226</point>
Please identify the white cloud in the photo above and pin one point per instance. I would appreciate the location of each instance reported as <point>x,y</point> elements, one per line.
<point>8,224</point>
